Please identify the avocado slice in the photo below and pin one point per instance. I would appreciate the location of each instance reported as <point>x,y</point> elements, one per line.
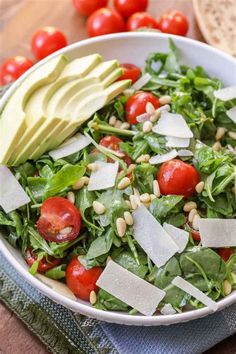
<point>12,122</point>
<point>35,107</point>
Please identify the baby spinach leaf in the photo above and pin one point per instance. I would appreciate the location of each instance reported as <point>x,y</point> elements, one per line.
<point>165,274</point>
<point>161,207</point>
<point>106,301</point>
<point>127,260</point>
<point>101,245</point>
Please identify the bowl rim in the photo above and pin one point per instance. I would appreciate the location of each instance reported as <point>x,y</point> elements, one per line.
<point>112,316</point>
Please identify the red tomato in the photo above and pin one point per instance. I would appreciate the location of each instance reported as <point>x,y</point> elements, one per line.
<point>130,72</point>
<point>47,40</point>
<point>140,20</point>
<point>112,142</point>
<point>128,7</point>
<point>177,177</point>
<point>82,281</point>
<point>44,264</point>
<point>196,235</point>
<point>59,221</point>
<point>174,22</point>
<point>87,7</point>
<point>104,21</point>
<point>225,253</point>
<point>14,67</point>
<point>136,105</point>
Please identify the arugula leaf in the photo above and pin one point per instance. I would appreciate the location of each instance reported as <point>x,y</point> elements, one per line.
<point>101,245</point>
<point>106,301</point>
<point>165,274</point>
<point>84,201</point>
<point>37,186</point>
<point>126,260</point>
<point>58,272</point>
<point>162,207</point>
<point>144,175</point>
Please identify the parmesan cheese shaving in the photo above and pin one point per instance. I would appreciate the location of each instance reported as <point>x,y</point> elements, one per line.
<point>231,113</point>
<point>185,152</point>
<point>179,236</point>
<point>104,177</point>
<point>141,82</point>
<point>172,124</point>
<point>218,232</point>
<point>71,146</point>
<point>226,93</point>
<point>177,142</point>
<point>155,160</point>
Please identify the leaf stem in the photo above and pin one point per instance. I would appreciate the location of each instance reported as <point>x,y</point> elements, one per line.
<point>109,129</point>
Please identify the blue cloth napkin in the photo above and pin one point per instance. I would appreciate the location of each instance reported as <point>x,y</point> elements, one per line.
<point>186,338</point>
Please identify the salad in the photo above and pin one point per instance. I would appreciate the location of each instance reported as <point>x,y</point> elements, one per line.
<point>138,197</point>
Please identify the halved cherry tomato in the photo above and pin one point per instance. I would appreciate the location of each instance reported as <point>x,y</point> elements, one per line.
<point>46,41</point>
<point>174,22</point>
<point>87,7</point>
<point>112,142</point>
<point>59,221</point>
<point>104,21</point>
<point>136,105</point>
<point>14,67</point>
<point>177,177</point>
<point>141,20</point>
<point>128,7</point>
<point>225,253</point>
<point>44,264</point>
<point>82,281</point>
<point>130,72</point>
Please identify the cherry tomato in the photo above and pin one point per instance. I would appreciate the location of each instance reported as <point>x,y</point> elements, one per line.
<point>177,177</point>
<point>104,21</point>
<point>82,281</point>
<point>47,40</point>
<point>225,253</point>
<point>87,7</point>
<point>196,235</point>
<point>174,22</point>
<point>59,221</point>
<point>140,20</point>
<point>136,105</point>
<point>14,67</point>
<point>128,7</point>
<point>44,264</point>
<point>112,142</point>
<point>131,72</point>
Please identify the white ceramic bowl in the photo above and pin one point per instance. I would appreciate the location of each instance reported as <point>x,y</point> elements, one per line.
<point>134,48</point>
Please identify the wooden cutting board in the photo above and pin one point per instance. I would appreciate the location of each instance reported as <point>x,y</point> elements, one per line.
<point>217,22</point>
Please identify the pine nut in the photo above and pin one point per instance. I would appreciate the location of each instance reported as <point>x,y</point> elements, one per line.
<point>156,189</point>
<point>65,231</point>
<point>133,203</point>
<point>195,223</point>
<point>92,297</point>
<point>92,166</point>
<point>131,168</point>
<point>145,198</point>
<point>189,206</point>
<point>143,158</point>
<point>191,215</point>
<point>216,146</point>
<point>165,100</point>
<point>108,259</point>
<point>155,116</point>
<point>199,187</point>
<point>71,197</point>
<point>147,127</point>
<point>220,133</point>
<point>98,207</point>
<point>112,121</point>
<point>125,125</point>
<point>118,124</point>
<point>227,287</point>
<point>81,182</point>
<point>128,218</point>
<point>125,182</point>
<point>121,226</point>
<point>128,204</point>
<point>232,135</point>
<point>150,108</point>
<point>153,196</point>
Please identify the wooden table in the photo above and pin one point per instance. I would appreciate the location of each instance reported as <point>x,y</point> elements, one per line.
<point>18,20</point>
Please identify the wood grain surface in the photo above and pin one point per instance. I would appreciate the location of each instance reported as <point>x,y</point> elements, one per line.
<point>18,20</point>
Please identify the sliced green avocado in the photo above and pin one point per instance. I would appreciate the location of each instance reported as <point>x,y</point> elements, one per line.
<point>12,122</point>
<point>35,107</point>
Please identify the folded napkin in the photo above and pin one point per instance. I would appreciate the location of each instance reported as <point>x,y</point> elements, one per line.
<point>63,331</point>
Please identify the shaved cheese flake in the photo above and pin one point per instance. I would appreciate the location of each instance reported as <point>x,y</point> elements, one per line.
<point>75,144</point>
<point>231,113</point>
<point>195,292</point>
<point>131,289</point>
<point>179,236</point>
<point>218,232</point>
<point>155,160</point>
<point>104,177</point>
<point>177,142</point>
<point>185,152</point>
<point>141,82</point>
<point>172,124</point>
<point>151,236</point>
<point>167,309</point>
<point>12,195</point>
<point>143,117</point>
<point>226,93</point>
